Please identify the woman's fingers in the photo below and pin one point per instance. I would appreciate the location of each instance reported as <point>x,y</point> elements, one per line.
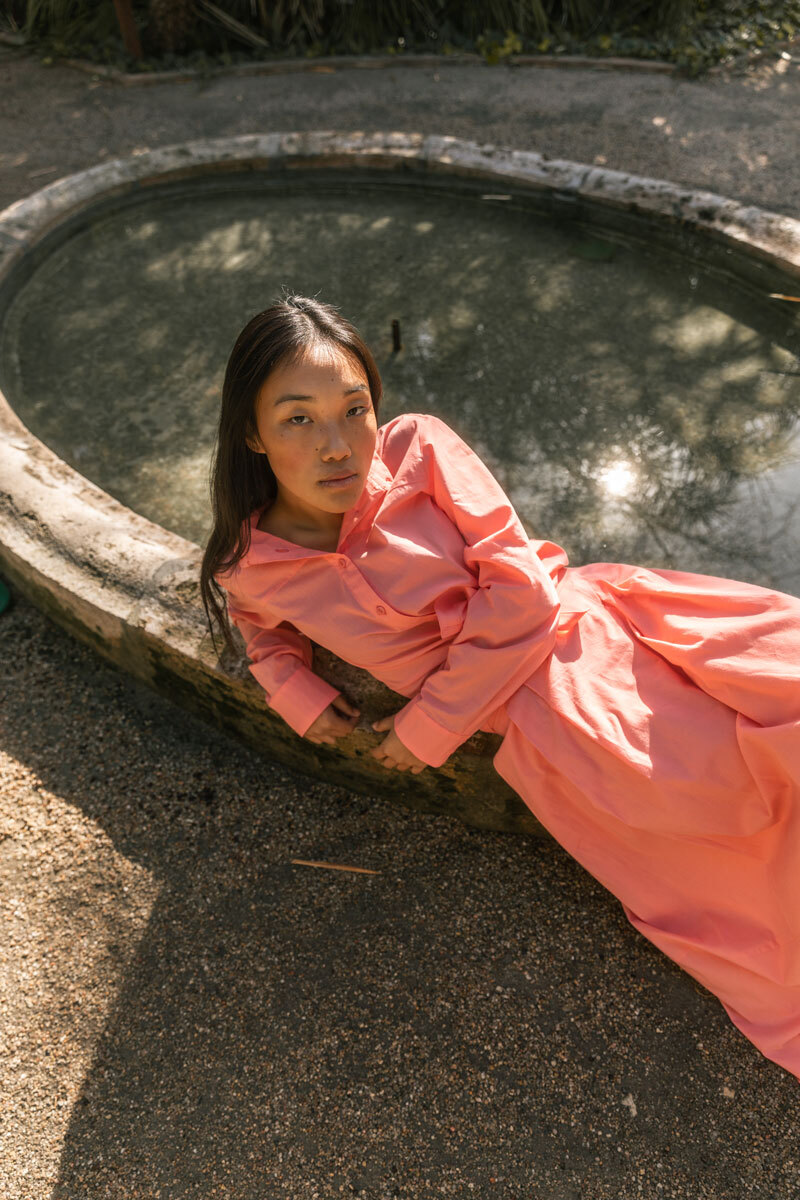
<point>342,728</point>
<point>335,724</point>
<point>335,727</point>
<point>392,763</point>
<point>385,760</point>
<point>337,720</point>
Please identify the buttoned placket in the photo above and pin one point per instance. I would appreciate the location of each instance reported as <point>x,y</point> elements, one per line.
<point>356,581</point>
<point>359,587</point>
<point>378,481</point>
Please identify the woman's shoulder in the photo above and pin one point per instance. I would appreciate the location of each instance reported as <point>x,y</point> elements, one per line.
<point>228,577</point>
<point>231,577</point>
<point>400,435</point>
<point>411,423</point>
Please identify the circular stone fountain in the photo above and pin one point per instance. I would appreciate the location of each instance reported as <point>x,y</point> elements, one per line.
<point>611,346</point>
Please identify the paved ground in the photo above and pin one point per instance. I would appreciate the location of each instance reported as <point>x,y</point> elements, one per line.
<point>736,135</point>
<point>185,1013</point>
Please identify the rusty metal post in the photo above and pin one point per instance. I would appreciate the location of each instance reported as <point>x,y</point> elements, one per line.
<point>127,25</point>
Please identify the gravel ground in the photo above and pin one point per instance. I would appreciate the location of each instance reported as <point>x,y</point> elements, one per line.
<point>187,1014</point>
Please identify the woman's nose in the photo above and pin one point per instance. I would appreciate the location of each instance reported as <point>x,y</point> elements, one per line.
<point>334,445</point>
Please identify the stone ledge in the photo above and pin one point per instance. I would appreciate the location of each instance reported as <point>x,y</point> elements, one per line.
<point>329,64</point>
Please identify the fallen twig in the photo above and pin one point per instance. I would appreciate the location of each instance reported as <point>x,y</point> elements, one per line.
<point>303,862</point>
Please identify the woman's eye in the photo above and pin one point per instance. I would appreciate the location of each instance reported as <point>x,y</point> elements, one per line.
<point>299,418</point>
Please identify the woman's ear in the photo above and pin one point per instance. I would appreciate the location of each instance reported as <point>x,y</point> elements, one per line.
<point>255,445</point>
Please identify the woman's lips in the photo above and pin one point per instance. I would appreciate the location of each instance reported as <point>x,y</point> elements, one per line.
<point>346,481</point>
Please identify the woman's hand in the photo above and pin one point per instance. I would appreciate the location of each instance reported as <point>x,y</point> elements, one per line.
<point>337,720</point>
<point>392,753</point>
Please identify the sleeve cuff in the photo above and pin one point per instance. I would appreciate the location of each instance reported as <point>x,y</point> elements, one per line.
<point>301,698</point>
<point>423,736</point>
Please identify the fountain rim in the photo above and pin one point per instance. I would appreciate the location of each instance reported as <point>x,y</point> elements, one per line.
<point>124,577</point>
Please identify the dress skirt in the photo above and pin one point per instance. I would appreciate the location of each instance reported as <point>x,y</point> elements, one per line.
<point>660,745</point>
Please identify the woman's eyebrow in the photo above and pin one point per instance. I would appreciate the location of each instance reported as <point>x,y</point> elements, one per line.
<point>290,396</point>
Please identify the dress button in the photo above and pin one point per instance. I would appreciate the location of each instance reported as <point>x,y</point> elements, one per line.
<point>380,609</point>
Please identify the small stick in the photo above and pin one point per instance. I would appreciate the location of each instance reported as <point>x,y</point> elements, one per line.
<point>780,296</point>
<point>303,862</point>
<point>396,343</point>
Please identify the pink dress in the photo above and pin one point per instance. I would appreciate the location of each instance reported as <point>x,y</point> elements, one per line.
<point>651,718</point>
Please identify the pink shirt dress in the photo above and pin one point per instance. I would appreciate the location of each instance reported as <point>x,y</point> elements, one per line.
<point>650,718</point>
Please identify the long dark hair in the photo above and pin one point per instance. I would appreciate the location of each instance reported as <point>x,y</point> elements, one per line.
<point>241,479</point>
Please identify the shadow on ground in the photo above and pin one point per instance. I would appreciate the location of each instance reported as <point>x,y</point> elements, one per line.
<point>478,1016</point>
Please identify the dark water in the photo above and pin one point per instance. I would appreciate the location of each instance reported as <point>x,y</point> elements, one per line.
<point>634,407</point>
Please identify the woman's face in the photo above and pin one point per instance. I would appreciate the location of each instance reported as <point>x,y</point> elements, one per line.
<point>315,420</point>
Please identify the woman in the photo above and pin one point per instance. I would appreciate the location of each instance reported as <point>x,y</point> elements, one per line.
<point>650,718</point>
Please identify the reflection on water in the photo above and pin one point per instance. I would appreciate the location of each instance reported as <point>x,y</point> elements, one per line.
<point>617,479</point>
<point>634,408</point>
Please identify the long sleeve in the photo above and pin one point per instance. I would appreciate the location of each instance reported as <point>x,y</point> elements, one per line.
<point>281,662</point>
<point>510,621</point>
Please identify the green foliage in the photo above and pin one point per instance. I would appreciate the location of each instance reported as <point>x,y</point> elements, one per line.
<point>695,34</point>
<point>713,32</point>
<point>67,18</point>
<point>494,51</point>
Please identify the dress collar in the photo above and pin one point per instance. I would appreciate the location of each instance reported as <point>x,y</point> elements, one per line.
<point>265,546</point>
<point>379,480</point>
